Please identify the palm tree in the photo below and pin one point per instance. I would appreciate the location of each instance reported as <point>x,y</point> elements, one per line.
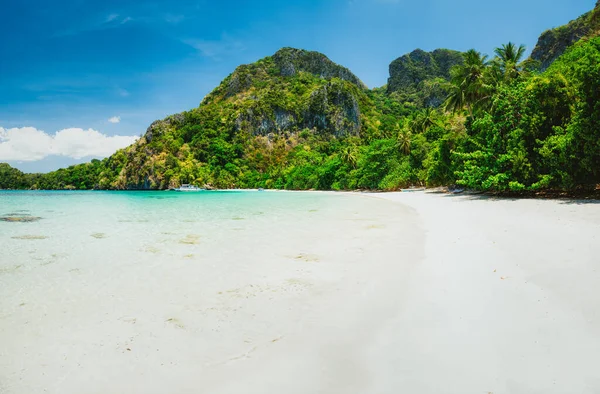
<point>404,141</point>
<point>474,82</point>
<point>469,82</point>
<point>428,118</point>
<point>508,60</point>
<point>510,53</point>
<point>421,121</point>
<point>350,155</point>
<point>456,98</point>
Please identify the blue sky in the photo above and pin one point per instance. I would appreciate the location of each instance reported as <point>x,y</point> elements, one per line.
<point>76,64</point>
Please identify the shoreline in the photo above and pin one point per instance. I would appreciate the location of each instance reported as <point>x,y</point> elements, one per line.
<point>588,195</point>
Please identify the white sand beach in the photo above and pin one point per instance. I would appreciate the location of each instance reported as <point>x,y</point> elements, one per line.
<point>394,293</point>
<point>505,301</point>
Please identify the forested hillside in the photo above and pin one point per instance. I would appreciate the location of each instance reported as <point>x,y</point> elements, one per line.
<point>296,120</point>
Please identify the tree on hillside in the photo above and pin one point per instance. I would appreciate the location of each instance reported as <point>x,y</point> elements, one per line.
<point>469,85</point>
<point>404,140</point>
<point>509,60</point>
<point>474,83</point>
<point>423,120</point>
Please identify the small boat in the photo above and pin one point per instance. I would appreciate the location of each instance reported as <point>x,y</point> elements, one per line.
<point>187,188</point>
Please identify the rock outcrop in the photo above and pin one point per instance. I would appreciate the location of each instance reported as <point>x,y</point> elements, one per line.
<point>290,61</point>
<point>554,42</point>
<point>410,70</point>
<point>290,91</point>
<point>419,76</point>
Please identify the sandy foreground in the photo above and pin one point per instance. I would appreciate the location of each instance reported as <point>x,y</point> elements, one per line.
<point>433,294</point>
<point>505,301</point>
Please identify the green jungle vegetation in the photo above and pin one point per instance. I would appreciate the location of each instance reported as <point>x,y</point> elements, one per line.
<point>296,120</point>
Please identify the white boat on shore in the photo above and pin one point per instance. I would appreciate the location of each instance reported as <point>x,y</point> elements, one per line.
<point>187,188</point>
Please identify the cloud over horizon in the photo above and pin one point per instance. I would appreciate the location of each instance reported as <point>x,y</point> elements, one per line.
<point>31,144</point>
<point>115,119</point>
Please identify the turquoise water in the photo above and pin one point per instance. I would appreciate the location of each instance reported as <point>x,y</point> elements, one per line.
<point>180,279</point>
<point>70,220</point>
<point>77,230</point>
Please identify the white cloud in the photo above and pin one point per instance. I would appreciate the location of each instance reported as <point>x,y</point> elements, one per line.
<point>31,144</point>
<point>216,48</point>
<point>110,21</point>
<point>111,18</point>
<point>115,119</point>
<point>115,19</point>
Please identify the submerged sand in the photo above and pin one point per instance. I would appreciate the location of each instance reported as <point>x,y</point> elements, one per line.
<point>420,293</point>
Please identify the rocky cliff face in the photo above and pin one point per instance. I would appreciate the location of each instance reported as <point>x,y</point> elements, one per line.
<point>420,74</point>
<point>291,61</point>
<point>287,62</point>
<point>292,90</point>
<point>331,108</point>
<point>554,42</point>
<point>410,70</point>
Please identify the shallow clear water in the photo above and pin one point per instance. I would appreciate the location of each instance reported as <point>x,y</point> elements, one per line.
<point>122,222</point>
<point>186,280</point>
<point>80,232</point>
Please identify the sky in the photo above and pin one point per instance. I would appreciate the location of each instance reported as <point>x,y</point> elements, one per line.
<point>81,78</point>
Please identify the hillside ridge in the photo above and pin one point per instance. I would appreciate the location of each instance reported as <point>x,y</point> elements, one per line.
<point>297,120</point>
